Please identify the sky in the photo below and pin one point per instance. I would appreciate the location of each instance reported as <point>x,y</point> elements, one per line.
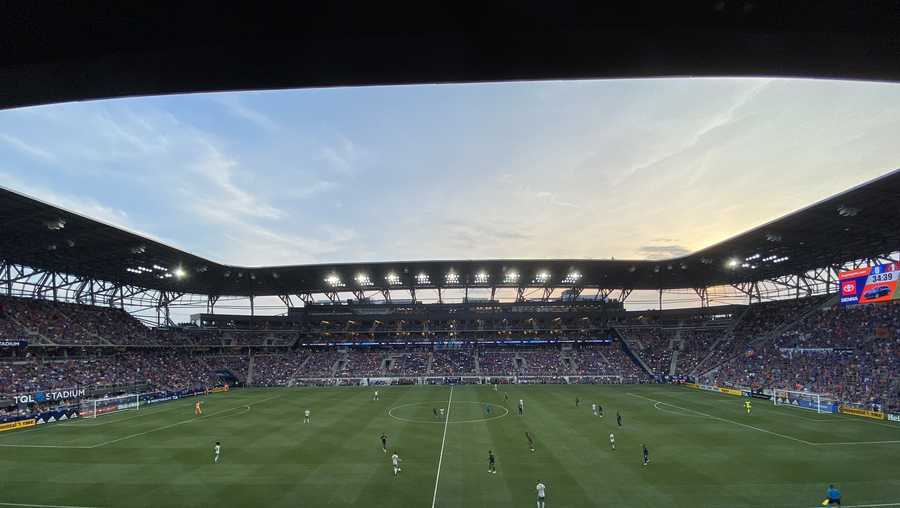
<point>641,169</point>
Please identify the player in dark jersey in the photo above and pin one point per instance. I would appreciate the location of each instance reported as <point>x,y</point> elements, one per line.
<point>434,410</point>
<point>383,442</point>
<point>530,441</point>
<point>492,463</point>
<point>618,418</point>
<point>600,410</point>
<point>646,454</point>
<point>577,401</point>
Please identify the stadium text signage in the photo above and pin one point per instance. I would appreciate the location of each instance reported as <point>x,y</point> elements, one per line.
<point>13,343</point>
<point>893,417</point>
<point>21,424</point>
<point>49,396</point>
<point>869,284</point>
<point>877,415</point>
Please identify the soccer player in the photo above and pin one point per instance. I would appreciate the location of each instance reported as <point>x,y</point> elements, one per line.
<point>505,397</point>
<point>612,440</point>
<point>748,406</point>
<point>383,442</point>
<point>487,410</point>
<point>542,494</point>
<point>646,454</point>
<point>521,407</point>
<point>833,496</point>
<point>618,418</point>
<point>600,410</point>
<point>577,401</point>
<point>217,449</point>
<point>530,441</point>
<point>376,395</point>
<point>306,416</point>
<point>197,410</point>
<point>492,466</point>
<point>442,413</point>
<point>395,460</point>
<point>594,409</point>
<point>434,410</point>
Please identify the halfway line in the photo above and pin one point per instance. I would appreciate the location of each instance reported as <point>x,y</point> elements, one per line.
<point>437,478</point>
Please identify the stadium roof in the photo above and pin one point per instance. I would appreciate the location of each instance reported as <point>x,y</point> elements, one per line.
<point>63,51</point>
<point>857,224</point>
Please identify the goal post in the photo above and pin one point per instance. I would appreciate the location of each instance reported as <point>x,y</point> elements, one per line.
<point>817,402</point>
<point>92,408</point>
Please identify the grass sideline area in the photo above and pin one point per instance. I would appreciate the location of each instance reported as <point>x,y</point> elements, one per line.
<point>704,451</point>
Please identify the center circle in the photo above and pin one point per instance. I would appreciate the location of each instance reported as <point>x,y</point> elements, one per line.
<point>460,412</point>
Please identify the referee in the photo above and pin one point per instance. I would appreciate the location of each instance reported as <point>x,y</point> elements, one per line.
<point>834,496</point>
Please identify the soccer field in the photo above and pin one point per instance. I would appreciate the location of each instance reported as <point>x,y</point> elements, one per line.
<point>704,451</point>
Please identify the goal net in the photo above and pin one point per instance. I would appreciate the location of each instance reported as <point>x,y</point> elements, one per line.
<point>96,407</point>
<point>804,400</point>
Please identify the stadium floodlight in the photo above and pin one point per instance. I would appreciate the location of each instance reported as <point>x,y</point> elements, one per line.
<point>363,279</point>
<point>179,272</point>
<point>392,278</point>
<point>333,280</point>
<point>511,277</point>
<point>733,263</point>
<point>542,276</point>
<point>451,277</point>
<point>481,277</point>
<point>572,277</point>
<point>423,278</point>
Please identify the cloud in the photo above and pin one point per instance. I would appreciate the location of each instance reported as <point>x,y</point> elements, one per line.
<point>475,235</point>
<point>662,251</point>
<point>26,148</point>
<point>235,107</point>
<point>230,200</point>
<point>341,157</point>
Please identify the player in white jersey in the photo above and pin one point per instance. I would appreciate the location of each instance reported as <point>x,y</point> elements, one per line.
<point>376,395</point>
<point>542,494</point>
<point>594,409</point>
<point>442,413</point>
<point>395,460</point>
<point>306,416</point>
<point>612,440</point>
<point>217,449</point>
<point>521,407</point>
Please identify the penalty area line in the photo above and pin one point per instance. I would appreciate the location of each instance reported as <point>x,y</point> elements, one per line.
<point>725,420</point>
<point>183,422</point>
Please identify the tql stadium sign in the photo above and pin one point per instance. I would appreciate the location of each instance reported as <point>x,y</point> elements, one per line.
<point>55,395</point>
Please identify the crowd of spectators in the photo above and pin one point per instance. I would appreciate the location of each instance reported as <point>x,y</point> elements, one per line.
<point>497,363</point>
<point>542,362</point>
<point>276,369</point>
<point>453,362</point>
<point>362,362</point>
<point>410,363</point>
<point>851,354</point>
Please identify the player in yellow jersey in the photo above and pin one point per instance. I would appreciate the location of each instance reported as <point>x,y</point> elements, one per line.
<point>197,410</point>
<point>748,406</point>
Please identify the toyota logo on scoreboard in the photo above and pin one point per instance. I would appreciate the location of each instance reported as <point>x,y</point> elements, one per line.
<point>848,288</point>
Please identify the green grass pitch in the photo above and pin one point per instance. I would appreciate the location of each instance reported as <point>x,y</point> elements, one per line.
<point>704,452</point>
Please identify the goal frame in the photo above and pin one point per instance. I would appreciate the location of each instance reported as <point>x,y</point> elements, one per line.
<point>92,408</point>
<point>783,397</point>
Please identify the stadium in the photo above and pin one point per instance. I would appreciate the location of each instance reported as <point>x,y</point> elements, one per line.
<point>758,370</point>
